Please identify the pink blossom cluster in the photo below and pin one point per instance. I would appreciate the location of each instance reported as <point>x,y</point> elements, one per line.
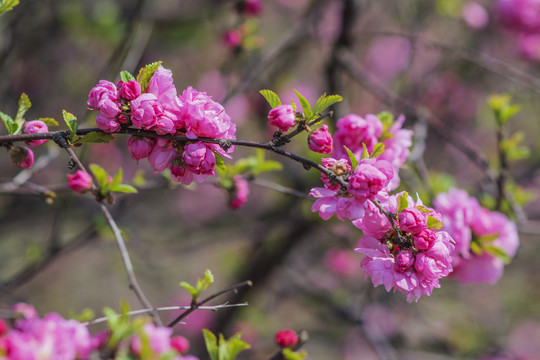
<point>522,17</point>
<point>410,256</point>
<point>23,156</point>
<point>55,338</point>
<point>160,109</point>
<point>484,239</point>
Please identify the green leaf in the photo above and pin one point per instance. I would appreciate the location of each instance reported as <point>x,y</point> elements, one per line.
<point>236,346</point>
<point>498,253</point>
<point>324,102</point>
<point>244,165</point>
<point>293,104</point>
<point>508,112</point>
<point>146,73</point>
<point>220,164</point>
<point>117,178</point>
<point>365,152</point>
<point>189,288</point>
<point>289,354</point>
<point>223,348</point>
<point>305,105</point>
<point>95,137</point>
<point>205,282</point>
<point>100,174</point>
<point>352,158</point>
<point>475,248</point>
<point>403,202</point>
<point>271,97</point>
<point>126,76</point>
<point>123,188</point>
<point>422,208</point>
<point>49,121</point>
<point>8,122</point>
<point>24,105</point>
<point>7,5</point>
<point>71,122</point>
<point>433,223</point>
<point>211,344</point>
<point>378,149</point>
<point>487,238</point>
<point>267,166</point>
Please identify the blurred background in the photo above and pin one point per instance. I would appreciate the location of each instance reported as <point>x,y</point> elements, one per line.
<point>435,61</point>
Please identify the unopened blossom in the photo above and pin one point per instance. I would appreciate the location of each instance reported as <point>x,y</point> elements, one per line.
<point>180,173</point>
<point>283,117</point>
<point>232,39</point>
<point>80,181</point>
<point>159,339</point>
<point>370,178</point>
<point>22,157</point>
<point>240,193</point>
<point>286,338</point>
<point>480,235</point>
<point>321,140</point>
<point>180,344</point>
<point>130,90</point>
<point>393,259</point>
<point>139,147</point>
<point>35,127</point>
<point>252,7</point>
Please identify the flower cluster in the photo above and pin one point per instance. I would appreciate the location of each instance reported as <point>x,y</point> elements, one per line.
<point>160,109</point>
<point>23,156</point>
<point>55,338</point>
<point>485,239</point>
<point>410,255</point>
<point>522,17</point>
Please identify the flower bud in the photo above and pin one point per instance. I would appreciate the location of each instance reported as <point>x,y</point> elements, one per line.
<point>80,182</point>
<point>240,193</point>
<point>130,90</point>
<point>139,147</point>
<point>412,220</point>
<point>199,159</point>
<point>404,260</point>
<point>286,338</point>
<point>35,127</point>
<point>22,157</point>
<point>232,39</point>
<point>180,344</point>
<point>252,7</point>
<point>282,117</point>
<point>321,140</point>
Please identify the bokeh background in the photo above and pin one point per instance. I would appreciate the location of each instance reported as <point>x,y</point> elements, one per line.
<point>436,61</point>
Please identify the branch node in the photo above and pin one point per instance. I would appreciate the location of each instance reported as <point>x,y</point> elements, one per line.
<point>225,144</point>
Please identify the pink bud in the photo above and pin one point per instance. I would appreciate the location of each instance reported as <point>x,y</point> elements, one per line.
<point>252,7</point>
<point>180,344</point>
<point>3,327</point>
<point>286,338</point>
<point>139,147</point>
<point>22,157</point>
<point>80,182</point>
<point>232,39</point>
<point>130,90</point>
<point>160,157</point>
<point>240,193</point>
<point>199,159</point>
<point>35,127</point>
<point>283,117</point>
<point>321,141</point>
<point>404,260</point>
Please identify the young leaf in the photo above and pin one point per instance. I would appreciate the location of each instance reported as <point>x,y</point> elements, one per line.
<point>305,105</point>
<point>267,166</point>
<point>24,105</point>
<point>403,201</point>
<point>211,344</point>
<point>236,346</point>
<point>352,158</point>
<point>475,248</point>
<point>7,5</point>
<point>289,354</point>
<point>387,118</point>
<point>8,122</point>
<point>96,137</point>
<point>365,152</point>
<point>271,97</point>
<point>71,122</point>
<point>126,76</point>
<point>223,348</point>
<point>189,288</point>
<point>146,73</point>
<point>117,178</point>
<point>49,121</point>
<point>433,223</point>
<point>205,282</point>
<point>378,149</point>
<point>220,164</point>
<point>324,102</point>
<point>100,174</point>
<point>497,252</point>
<point>123,188</point>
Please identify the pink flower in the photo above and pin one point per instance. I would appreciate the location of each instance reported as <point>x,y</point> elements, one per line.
<point>329,202</point>
<point>321,140</point>
<point>162,86</point>
<point>396,148</point>
<point>341,262</point>
<point>370,178</point>
<point>145,111</point>
<point>161,156</point>
<point>35,127</point>
<point>159,339</point>
<point>139,147</point>
<point>286,338</point>
<point>252,7</point>
<point>102,91</point>
<point>529,46</point>
<point>180,344</point>
<point>282,117</point>
<point>232,38</point>
<point>107,124</point>
<point>240,193</point>
<point>199,159</point>
<point>475,15</point>
<point>80,182</point>
<point>179,173</point>
<point>27,311</point>
<point>22,157</point>
<point>352,131</point>
<point>412,220</point>
<point>519,15</point>
<point>339,167</point>
<point>130,90</point>
<point>480,235</point>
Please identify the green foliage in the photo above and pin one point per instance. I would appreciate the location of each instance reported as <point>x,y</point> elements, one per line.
<point>49,121</point>
<point>107,184</point>
<point>352,158</point>
<point>511,147</point>
<point>289,354</point>
<point>378,149</point>
<point>71,122</point>
<point>433,223</point>
<point>498,253</point>
<point>254,165</point>
<point>119,324</point>
<point>8,122</point>
<point>225,349</point>
<point>202,284</point>
<point>126,76</point>
<point>95,137</point>
<point>365,152</point>
<point>271,97</point>
<point>502,108</point>
<point>305,106</point>
<point>24,105</point>
<point>403,201</point>
<point>325,102</point>
<point>146,73</point>
<point>7,5</point>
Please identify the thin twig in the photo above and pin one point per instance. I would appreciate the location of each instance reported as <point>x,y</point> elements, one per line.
<point>196,305</point>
